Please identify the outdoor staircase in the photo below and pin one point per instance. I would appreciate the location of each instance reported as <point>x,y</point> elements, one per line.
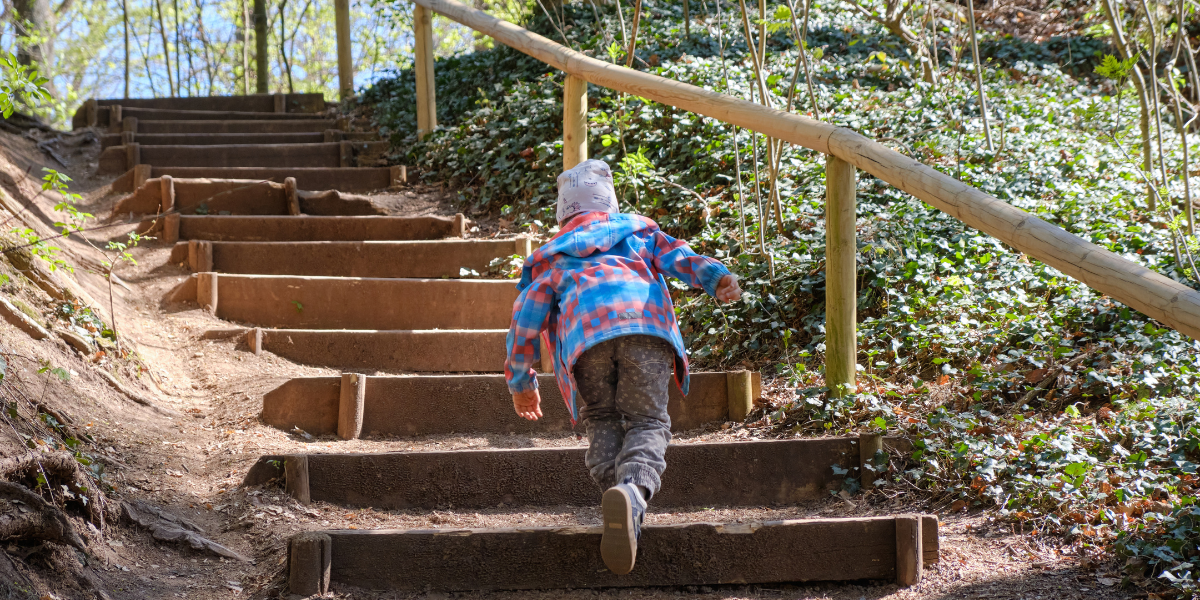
<point>257,195</point>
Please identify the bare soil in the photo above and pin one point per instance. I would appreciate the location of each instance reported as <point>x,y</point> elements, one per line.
<point>192,463</point>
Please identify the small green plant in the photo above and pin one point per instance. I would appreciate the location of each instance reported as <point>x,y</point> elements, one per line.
<point>47,367</point>
<point>21,84</point>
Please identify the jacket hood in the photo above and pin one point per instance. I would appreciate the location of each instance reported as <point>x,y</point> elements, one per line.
<point>585,235</point>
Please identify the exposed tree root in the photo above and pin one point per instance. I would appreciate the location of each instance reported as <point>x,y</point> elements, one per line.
<point>136,397</point>
<point>25,515</point>
<point>167,527</point>
<point>59,469</point>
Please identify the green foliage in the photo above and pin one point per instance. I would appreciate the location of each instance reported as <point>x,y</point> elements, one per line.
<point>56,181</point>
<point>1115,68</point>
<point>21,84</point>
<point>122,248</point>
<point>85,322</point>
<point>1026,392</point>
<point>47,367</point>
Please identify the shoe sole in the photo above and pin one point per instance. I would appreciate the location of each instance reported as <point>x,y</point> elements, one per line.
<point>618,543</point>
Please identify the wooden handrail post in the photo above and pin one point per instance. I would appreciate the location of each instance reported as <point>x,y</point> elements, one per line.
<point>426,89</point>
<point>841,297</point>
<point>575,105</point>
<point>341,10</point>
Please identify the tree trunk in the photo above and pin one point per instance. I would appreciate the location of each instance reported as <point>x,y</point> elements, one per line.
<point>1139,84</point>
<point>287,67</point>
<point>162,30</point>
<point>260,45</point>
<point>34,19</point>
<point>178,50</point>
<point>245,48</point>
<point>125,21</point>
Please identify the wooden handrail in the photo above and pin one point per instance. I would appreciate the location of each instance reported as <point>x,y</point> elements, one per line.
<point>1157,296</point>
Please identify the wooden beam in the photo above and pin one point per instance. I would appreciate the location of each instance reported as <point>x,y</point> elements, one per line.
<point>341,10</point>
<point>739,386</point>
<point>841,272</point>
<point>426,88</point>
<point>351,401</point>
<point>575,104</point>
<point>1154,294</point>
<point>448,560</point>
<point>909,553</point>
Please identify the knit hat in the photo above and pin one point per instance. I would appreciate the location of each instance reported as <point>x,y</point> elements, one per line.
<point>586,188</point>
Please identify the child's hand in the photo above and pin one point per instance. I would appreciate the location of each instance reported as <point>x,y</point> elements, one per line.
<point>728,290</point>
<point>528,404</point>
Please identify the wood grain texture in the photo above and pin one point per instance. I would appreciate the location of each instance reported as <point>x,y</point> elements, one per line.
<point>426,88</point>
<point>692,554</point>
<point>1156,295</point>
<point>710,474</point>
<point>575,104</point>
<point>841,274</point>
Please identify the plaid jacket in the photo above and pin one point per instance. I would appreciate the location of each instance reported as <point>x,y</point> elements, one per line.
<point>599,278</point>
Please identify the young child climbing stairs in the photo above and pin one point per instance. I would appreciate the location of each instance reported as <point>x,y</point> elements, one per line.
<point>597,291</point>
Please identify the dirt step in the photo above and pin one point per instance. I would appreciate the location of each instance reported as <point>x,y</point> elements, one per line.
<point>754,473</point>
<point>239,197</point>
<point>117,159</point>
<point>467,404</point>
<point>348,179</point>
<point>412,259</point>
<point>355,302</point>
<point>239,126</point>
<point>451,560</point>
<point>216,139</point>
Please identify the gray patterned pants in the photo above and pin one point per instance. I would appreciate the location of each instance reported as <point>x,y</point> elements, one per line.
<point>622,385</point>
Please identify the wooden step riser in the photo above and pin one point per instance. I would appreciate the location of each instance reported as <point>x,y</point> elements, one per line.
<point>461,351</point>
<point>102,112</point>
<point>470,405</point>
<point>219,139</point>
<point>432,259</point>
<point>353,180</point>
<point>449,560</point>
<point>118,159</point>
<point>105,119</point>
<point>238,197</point>
<point>290,103</point>
<point>229,127</point>
<point>357,303</point>
<point>315,228</point>
<point>757,473</point>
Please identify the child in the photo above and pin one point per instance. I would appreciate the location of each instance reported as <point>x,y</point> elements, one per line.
<point>597,290</point>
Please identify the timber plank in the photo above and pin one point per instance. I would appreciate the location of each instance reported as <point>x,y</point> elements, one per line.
<point>400,259</point>
<point>759,473</point>
<point>239,126</point>
<point>466,404</point>
<point>237,228</point>
<point>365,302</point>
<point>668,555</point>
<point>345,179</point>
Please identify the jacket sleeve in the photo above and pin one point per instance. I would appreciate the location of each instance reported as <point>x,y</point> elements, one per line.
<point>531,316</point>
<point>673,257</point>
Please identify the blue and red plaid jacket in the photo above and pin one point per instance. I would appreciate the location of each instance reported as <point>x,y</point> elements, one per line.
<point>599,278</point>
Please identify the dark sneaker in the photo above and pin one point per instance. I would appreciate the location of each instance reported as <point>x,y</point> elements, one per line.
<point>622,508</point>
